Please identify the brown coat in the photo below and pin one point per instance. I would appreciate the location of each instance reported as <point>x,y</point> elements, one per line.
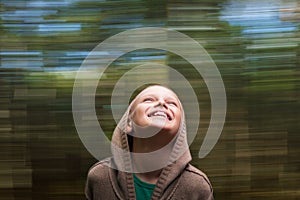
<point>177,181</point>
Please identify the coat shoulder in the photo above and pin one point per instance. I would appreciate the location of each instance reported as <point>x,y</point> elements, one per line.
<point>98,184</point>
<point>99,171</point>
<point>196,175</point>
<point>196,184</point>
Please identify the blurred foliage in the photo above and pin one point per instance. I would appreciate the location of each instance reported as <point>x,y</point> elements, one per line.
<point>255,45</point>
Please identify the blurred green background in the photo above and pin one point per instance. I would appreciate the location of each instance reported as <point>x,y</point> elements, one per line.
<point>254,43</point>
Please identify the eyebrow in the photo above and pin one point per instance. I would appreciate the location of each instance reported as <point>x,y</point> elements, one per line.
<point>172,98</point>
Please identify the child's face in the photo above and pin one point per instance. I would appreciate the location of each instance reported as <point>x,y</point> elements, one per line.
<point>157,106</point>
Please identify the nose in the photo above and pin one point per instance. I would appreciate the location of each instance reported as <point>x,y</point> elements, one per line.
<point>162,103</point>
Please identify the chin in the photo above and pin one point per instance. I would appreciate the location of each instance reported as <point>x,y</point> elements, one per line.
<point>165,129</point>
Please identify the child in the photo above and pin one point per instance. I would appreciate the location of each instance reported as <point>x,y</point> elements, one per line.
<point>150,154</point>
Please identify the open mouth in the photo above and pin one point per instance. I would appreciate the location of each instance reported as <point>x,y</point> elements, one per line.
<point>160,113</point>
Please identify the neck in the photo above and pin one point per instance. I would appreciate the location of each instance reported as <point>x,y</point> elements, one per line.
<point>144,145</point>
<point>141,146</point>
<point>156,142</point>
<point>149,177</point>
<point>148,145</point>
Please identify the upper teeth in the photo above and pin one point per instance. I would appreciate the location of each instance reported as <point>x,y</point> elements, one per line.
<point>159,113</point>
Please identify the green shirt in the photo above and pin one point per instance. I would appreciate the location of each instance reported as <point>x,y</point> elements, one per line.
<point>143,190</point>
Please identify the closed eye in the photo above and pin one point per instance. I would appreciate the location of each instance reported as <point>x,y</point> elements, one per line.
<point>148,100</point>
<point>173,103</point>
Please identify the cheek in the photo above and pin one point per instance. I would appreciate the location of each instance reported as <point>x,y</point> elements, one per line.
<point>178,120</point>
<point>178,115</point>
<point>138,116</point>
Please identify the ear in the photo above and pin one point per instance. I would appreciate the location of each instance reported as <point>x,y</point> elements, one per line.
<point>129,126</point>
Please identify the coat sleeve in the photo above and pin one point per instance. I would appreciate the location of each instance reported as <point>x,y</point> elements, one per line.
<point>89,186</point>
